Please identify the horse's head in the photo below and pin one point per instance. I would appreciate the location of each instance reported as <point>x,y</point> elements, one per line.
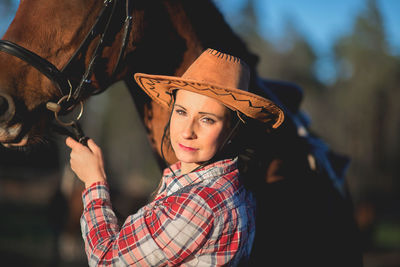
<point>51,32</point>
<point>164,38</point>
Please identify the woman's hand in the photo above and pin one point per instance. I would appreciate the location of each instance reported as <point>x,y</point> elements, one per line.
<point>86,162</point>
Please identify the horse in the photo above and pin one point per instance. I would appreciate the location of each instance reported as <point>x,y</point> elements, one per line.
<point>64,52</point>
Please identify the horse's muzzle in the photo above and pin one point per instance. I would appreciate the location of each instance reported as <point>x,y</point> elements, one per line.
<point>10,132</point>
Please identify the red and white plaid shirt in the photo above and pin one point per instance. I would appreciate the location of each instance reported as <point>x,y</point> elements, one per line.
<point>204,218</point>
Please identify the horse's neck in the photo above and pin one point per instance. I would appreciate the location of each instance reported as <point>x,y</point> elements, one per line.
<point>182,31</point>
<point>206,26</point>
<point>172,42</point>
<point>186,30</point>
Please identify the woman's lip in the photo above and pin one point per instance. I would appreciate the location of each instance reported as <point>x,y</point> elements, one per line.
<point>186,148</point>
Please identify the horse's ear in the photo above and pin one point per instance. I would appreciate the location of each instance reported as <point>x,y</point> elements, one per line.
<point>290,94</point>
<point>252,60</point>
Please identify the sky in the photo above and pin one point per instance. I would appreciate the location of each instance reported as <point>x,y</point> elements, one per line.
<point>321,22</point>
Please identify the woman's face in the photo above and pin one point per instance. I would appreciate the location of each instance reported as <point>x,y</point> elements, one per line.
<point>199,125</point>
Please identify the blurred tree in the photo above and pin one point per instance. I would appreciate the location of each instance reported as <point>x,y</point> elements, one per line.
<point>292,59</point>
<point>295,59</point>
<point>366,95</point>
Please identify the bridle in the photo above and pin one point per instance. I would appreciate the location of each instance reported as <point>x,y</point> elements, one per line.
<point>71,97</point>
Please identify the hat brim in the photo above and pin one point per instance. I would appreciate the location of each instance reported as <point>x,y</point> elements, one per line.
<point>160,88</point>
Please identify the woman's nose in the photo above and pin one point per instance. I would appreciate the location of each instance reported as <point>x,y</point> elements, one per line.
<point>188,131</point>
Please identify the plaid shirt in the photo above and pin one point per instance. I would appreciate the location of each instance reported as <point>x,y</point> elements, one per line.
<point>204,218</point>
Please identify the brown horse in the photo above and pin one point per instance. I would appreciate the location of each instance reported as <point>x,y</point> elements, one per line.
<point>65,51</point>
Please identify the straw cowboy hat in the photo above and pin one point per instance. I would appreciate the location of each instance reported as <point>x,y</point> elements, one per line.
<point>217,75</point>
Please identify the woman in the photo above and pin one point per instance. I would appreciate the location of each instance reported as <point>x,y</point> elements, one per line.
<point>201,215</point>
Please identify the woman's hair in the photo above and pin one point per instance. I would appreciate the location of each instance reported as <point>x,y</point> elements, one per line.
<point>243,141</point>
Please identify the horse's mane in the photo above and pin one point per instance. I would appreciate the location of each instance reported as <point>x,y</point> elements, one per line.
<point>184,28</point>
<point>213,30</point>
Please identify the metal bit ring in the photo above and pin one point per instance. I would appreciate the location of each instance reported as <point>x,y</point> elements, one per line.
<point>66,97</point>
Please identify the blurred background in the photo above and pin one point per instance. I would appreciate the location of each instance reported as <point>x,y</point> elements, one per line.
<point>345,54</point>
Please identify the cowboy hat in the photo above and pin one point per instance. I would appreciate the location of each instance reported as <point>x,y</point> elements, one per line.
<point>219,76</point>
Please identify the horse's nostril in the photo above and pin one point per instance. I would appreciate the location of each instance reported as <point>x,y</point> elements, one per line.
<point>3,105</point>
<point>7,108</point>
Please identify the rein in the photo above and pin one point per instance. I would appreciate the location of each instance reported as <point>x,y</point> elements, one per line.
<point>71,97</point>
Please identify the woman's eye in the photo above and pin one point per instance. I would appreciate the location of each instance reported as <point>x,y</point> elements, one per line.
<point>208,120</point>
<point>180,112</point>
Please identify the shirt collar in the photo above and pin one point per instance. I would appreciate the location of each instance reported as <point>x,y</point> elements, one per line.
<point>172,183</point>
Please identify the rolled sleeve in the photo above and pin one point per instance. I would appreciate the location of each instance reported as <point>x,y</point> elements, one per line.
<point>99,190</point>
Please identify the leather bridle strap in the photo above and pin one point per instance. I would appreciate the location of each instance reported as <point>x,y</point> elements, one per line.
<point>41,64</point>
<point>102,27</point>
<point>125,36</point>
